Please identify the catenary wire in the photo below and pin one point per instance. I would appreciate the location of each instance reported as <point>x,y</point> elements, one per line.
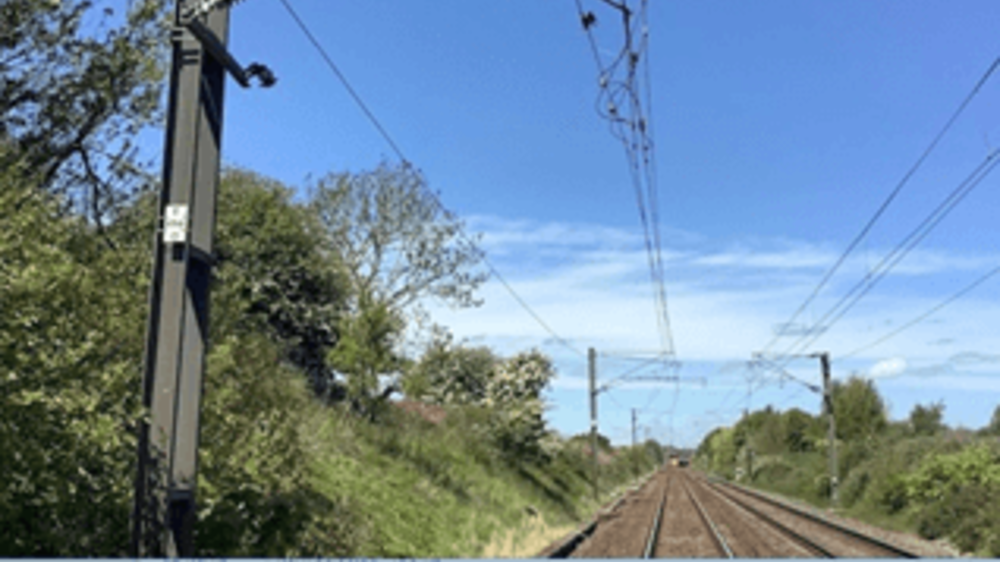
<point>617,96</point>
<point>902,249</point>
<point>892,195</point>
<point>406,163</point>
<point>926,314</point>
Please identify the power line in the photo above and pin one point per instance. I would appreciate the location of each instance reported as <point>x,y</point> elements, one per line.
<point>406,163</point>
<point>920,318</point>
<point>620,103</point>
<point>344,82</point>
<point>899,186</point>
<point>901,250</point>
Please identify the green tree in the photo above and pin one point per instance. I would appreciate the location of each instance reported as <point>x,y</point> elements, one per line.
<point>514,396</point>
<point>797,425</point>
<point>74,96</point>
<point>71,347</point>
<point>399,247</point>
<point>398,244</point>
<point>366,350</point>
<point>858,409</point>
<point>926,420</point>
<point>451,374</point>
<point>274,271</point>
<point>993,428</point>
<point>69,335</point>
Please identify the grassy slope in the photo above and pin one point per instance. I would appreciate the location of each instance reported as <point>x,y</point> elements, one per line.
<point>867,483</point>
<point>419,490</point>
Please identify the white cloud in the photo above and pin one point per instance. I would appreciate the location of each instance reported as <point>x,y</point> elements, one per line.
<point>590,283</point>
<point>888,368</point>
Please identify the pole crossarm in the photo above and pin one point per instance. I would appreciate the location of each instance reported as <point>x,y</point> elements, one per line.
<point>648,378</point>
<point>759,359</point>
<point>216,48</point>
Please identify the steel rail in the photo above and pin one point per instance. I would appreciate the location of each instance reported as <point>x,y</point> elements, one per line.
<point>720,541</point>
<point>811,545</point>
<point>654,531</point>
<point>570,543</point>
<point>872,541</point>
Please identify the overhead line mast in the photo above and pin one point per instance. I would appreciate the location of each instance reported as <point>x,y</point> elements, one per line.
<point>164,514</point>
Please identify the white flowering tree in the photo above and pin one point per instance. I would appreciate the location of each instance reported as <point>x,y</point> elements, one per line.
<point>514,395</point>
<point>509,390</point>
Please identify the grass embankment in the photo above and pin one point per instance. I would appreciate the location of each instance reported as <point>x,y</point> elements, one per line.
<point>939,487</point>
<point>418,489</point>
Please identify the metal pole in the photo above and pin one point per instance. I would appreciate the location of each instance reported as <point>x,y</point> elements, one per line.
<point>824,359</point>
<point>633,427</point>
<point>592,372</point>
<point>177,332</point>
<point>749,432</point>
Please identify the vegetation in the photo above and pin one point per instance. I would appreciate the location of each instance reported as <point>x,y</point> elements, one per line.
<point>315,307</point>
<point>917,475</point>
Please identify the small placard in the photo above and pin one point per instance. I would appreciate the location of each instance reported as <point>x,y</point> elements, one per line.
<point>175,223</point>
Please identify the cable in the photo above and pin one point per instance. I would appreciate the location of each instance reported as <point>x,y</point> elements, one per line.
<point>899,186</point>
<point>343,80</point>
<point>619,102</point>
<point>899,252</point>
<point>925,315</point>
<point>406,164</point>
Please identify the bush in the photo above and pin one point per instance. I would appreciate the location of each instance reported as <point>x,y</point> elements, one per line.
<point>855,486</point>
<point>958,514</point>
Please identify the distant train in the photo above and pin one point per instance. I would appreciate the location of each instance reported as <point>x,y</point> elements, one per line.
<point>678,461</point>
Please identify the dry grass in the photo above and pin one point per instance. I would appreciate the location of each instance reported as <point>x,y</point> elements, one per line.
<point>527,540</point>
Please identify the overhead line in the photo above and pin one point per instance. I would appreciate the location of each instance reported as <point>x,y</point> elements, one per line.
<point>344,82</point>
<point>406,163</point>
<point>900,251</point>
<point>885,204</point>
<point>636,136</point>
<point>920,318</point>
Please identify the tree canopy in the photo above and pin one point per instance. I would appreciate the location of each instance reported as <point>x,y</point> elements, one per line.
<point>858,408</point>
<point>78,85</point>
<point>926,420</point>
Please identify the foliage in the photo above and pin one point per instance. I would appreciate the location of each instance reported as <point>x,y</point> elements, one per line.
<point>70,355</point>
<point>275,273</point>
<point>514,395</point>
<point>926,420</point>
<point>398,244</point>
<point>858,409</point>
<point>451,374</point>
<point>976,465</point>
<point>438,490</point>
<point>255,494</point>
<point>797,425</point>
<point>993,428</point>
<point>67,381</point>
<point>78,86</point>
<point>366,350</point>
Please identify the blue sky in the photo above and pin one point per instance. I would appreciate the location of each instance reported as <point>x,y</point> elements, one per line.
<point>780,127</point>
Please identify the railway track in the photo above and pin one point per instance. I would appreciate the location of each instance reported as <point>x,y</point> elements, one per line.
<point>822,537</point>
<point>678,515</point>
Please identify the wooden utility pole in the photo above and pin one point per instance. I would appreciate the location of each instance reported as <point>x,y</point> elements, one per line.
<point>592,372</point>
<point>164,513</point>
<point>824,359</point>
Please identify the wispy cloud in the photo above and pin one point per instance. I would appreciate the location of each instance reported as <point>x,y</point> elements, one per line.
<point>725,297</point>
